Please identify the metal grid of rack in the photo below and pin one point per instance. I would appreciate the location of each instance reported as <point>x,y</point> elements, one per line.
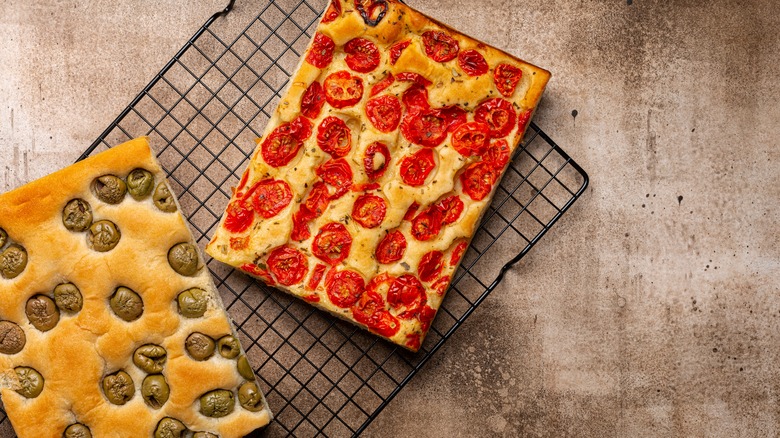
<point>204,110</point>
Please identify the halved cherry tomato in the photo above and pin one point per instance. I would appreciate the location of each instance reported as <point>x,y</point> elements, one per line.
<point>506,78</point>
<point>362,55</point>
<point>369,211</point>
<point>372,11</point>
<point>242,184</point>
<point>427,224</point>
<point>321,52</point>
<point>522,120</point>
<point>316,276</point>
<point>430,266</point>
<point>288,265</point>
<point>382,85</point>
<point>300,230</point>
<point>415,78</point>
<point>473,63</point>
<point>413,341</point>
<point>338,174</point>
<point>317,200</point>
<point>334,137</point>
<point>343,90</point>
<point>439,46</point>
<point>259,272</point>
<point>384,112</point>
<point>396,50</point>
<point>499,115</point>
<point>407,294</point>
<point>283,144</point>
<point>478,180</point>
<point>457,253</point>
<point>380,284</point>
<point>427,127</point>
<point>270,196</point>
<point>333,12</point>
<point>471,138</point>
<point>497,154</point>
<point>385,324</point>
<point>391,248</point>
<point>313,100</point>
<point>426,317</point>
<point>416,98</point>
<point>376,165</point>
<point>345,288</point>
<point>416,168</point>
<point>411,211</point>
<point>451,208</point>
<point>332,243</point>
<point>367,306</point>
<point>239,218</point>
<point>454,115</point>
<point>440,285</point>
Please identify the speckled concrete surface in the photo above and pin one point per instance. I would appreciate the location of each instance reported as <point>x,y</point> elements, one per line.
<point>652,309</point>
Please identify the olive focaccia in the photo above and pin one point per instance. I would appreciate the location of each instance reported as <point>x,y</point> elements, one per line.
<point>110,324</point>
<point>377,166</point>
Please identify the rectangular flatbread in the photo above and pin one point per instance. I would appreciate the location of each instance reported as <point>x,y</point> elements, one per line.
<point>110,324</point>
<point>376,167</point>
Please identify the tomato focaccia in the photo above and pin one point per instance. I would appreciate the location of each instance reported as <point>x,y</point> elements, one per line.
<point>110,324</point>
<point>377,165</point>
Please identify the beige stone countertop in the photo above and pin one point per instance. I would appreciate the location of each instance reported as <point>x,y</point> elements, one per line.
<point>651,309</point>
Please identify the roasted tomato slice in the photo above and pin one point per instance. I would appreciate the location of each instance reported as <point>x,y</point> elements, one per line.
<point>367,306</point>
<point>385,324</point>
<point>411,211</point>
<point>338,174</point>
<point>321,53</point>
<point>345,288</point>
<point>333,12</point>
<point>498,114</point>
<point>391,248</point>
<point>440,46</point>
<point>382,85</point>
<point>415,78</point>
<point>457,253</point>
<point>384,112</point>
<point>430,266</point>
<point>427,224</point>
<point>471,138</point>
<point>270,196</point>
<point>427,127</point>
<point>316,276</point>
<point>343,90</point>
<point>426,317</point>
<point>506,78</point>
<point>396,50</point>
<point>369,211</point>
<point>478,180</point>
<point>362,55</point>
<point>416,99</point>
<point>380,284</point>
<point>239,218</point>
<point>522,120</point>
<point>440,285</point>
<point>376,161</point>
<point>288,265</point>
<point>407,294</point>
<point>334,137</point>
<point>416,168</point>
<point>497,154</point>
<point>451,208</point>
<point>372,11</point>
<point>332,243</point>
<point>318,200</point>
<point>413,341</point>
<point>313,100</point>
<point>300,230</point>
<point>473,63</point>
<point>283,144</point>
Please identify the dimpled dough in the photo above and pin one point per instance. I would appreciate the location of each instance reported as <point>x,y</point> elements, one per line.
<point>84,347</point>
<point>249,248</point>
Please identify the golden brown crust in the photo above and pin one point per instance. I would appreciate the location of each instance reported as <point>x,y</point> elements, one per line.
<point>82,348</point>
<point>450,85</point>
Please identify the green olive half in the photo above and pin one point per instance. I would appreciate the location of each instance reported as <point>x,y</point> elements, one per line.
<point>250,397</point>
<point>109,189</point>
<point>183,258</point>
<point>140,183</point>
<point>228,347</point>
<point>30,382</point>
<point>204,435</point>
<point>13,261</point>
<point>193,302</point>
<point>12,338</point>
<point>77,215</point>
<point>199,346</point>
<point>103,236</point>
<point>77,430</point>
<point>68,297</point>
<point>163,198</point>
<point>217,403</point>
<point>3,237</point>
<point>118,387</point>
<point>155,391</point>
<point>126,304</point>
<point>244,368</point>
<point>42,312</point>
<point>150,358</point>
<point>170,428</point>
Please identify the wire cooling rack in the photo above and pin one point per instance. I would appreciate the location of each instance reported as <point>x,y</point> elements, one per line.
<point>204,110</point>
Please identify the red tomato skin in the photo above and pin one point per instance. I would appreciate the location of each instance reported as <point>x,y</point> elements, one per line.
<point>362,55</point>
<point>382,85</point>
<point>334,137</point>
<point>316,277</point>
<point>321,53</point>
<point>368,161</point>
<point>440,46</point>
<point>473,63</point>
<point>396,50</point>
<point>498,114</point>
<point>369,211</point>
<point>288,265</point>
<point>384,113</point>
<point>416,168</point>
<point>427,225</point>
<point>391,248</point>
<point>270,196</point>
<point>332,244</point>
<point>478,180</point>
<point>342,90</point>
<point>333,12</point>
<point>338,174</point>
<point>313,100</point>
<point>506,77</point>
<point>430,266</point>
<point>345,288</point>
<point>238,218</point>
